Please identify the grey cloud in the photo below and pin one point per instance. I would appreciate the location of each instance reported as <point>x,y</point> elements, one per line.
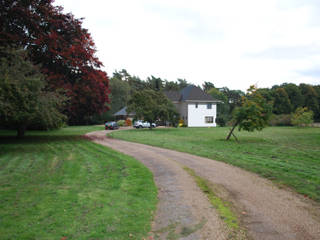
<point>314,72</point>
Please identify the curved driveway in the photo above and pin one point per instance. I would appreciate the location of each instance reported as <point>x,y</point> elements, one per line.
<point>267,212</point>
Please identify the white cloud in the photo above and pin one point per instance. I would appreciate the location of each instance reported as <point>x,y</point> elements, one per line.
<point>225,42</point>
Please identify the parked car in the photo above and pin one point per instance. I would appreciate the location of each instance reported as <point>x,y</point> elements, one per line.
<point>141,124</point>
<point>111,125</point>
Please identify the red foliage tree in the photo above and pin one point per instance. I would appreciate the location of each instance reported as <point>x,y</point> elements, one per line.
<point>65,51</point>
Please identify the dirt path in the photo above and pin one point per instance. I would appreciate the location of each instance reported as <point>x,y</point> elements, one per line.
<point>267,211</point>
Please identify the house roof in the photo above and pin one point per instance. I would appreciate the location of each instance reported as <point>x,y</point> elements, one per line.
<point>189,93</point>
<point>194,93</point>
<point>123,112</point>
<point>173,95</point>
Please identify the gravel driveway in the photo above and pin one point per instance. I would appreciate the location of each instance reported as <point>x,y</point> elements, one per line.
<point>184,212</point>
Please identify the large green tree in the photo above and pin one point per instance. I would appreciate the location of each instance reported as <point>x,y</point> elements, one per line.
<point>24,100</point>
<point>223,108</point>
<point>207,86</point>
<point>153,106</point>
<point>281,104</point>
<point>317,114</point>
<point>154,83</point>
<point>120,92</point>
<point>253,114</point>
<point>294,94</point>
<point>234,97</point>
<point>175,85</point>
<point>310,96</point>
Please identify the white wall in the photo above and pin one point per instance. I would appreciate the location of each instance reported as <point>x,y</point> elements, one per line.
<point>196,116</point>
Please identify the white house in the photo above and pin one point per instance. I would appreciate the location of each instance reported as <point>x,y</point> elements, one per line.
<point>195,107</point>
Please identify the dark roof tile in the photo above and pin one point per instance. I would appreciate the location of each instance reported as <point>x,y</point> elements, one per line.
<point>173,95</point>
<point>123,112</point>
<point>189,93</point>
<point>194,93</point>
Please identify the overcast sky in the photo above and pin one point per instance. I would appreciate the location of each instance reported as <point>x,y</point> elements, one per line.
<point>230,43</point>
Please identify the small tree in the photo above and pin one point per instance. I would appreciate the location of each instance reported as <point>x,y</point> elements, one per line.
<point>23,99</point>
<point>151,106</point>
<point>253,114</point>
<point>302,117</point>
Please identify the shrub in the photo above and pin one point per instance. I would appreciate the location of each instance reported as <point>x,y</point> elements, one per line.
<point>121,123</point>
<point>220,121</point>
<point>128,122</point>
<point>280,120</point>
<point>181,123</point>
<point>302,117</point>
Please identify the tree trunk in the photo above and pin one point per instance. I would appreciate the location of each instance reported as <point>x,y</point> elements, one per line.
<point>20,131</point>
<point>231,131</point>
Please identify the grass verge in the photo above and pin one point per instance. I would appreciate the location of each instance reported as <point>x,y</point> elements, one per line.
<point>286,155</point>
<point>57,185</point>
<point>224,207</point>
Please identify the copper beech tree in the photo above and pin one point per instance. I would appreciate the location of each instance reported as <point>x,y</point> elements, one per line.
<point>64,50</point>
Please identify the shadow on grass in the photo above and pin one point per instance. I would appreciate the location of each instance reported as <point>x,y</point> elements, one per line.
<point>244,140</point>
<point>36,139</point>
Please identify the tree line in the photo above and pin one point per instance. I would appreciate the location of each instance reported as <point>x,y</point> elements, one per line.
<point>284,99</point>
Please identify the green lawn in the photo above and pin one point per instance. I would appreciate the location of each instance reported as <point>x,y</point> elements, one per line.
<point>57,185</point>
<point>287,155</point>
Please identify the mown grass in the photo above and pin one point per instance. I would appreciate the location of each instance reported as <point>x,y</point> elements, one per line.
<point>57,185</point>
<point>287,155</point>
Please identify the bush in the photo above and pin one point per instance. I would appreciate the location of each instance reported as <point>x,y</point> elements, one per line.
<point>128,122</point>
<point>121,123</point>
<point>181,123</point>
<point>220,121</point>
<point>280,120</point>
<point>302,117</point>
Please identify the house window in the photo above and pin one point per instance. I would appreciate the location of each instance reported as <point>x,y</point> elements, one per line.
<point>209,106</point>
<point>208,119</point>
<point>196,105</point>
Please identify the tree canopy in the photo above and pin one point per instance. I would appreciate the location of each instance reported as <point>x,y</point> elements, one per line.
<point>253,114</point>
<point>153,106</point>
<point>281,102</point>
<point>23,98</point>
<point>64,49</point>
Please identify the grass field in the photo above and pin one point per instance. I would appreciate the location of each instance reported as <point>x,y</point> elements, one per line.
<point>287,155</point>
<point>56,185</point>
